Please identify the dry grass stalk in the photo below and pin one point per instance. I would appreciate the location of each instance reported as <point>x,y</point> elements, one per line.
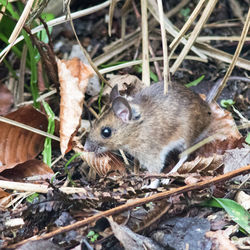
<point>166,75</point>
<point>145,52</point>
<point>55,22</point>
<point>29,128</point>
<point>106,56</point>
<point>20,88</point>
<point>235,7</point>
<point>94,67</point>
<point>220,38</point>
<point>21,21</point>
<point>222,56</point>
<point>197,29</point>
<point>187,25</point>
<point>236,55</point>
<point>17,30</point>
<point>170,28</point>
<point>137,62</point>
<point>111,14</point>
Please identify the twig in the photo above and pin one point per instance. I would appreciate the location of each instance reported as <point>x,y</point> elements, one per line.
<point>138,202</point>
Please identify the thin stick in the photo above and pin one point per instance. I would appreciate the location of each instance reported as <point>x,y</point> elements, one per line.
<point>27,127</point>
<point>139,202</point>
<point>166,74</point>
<point>145,53</point>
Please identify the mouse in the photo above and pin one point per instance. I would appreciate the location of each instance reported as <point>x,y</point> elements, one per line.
<point>150,125</point>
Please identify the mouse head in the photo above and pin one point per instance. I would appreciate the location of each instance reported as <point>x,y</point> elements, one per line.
<point>116,127</point>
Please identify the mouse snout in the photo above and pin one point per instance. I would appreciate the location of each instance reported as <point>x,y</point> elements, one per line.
<point>89,146</point>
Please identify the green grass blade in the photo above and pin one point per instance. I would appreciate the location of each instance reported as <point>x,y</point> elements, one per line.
<point>238,214</point>
<point>33,68</point>
<point>47,151</point>
<point>195,82</point>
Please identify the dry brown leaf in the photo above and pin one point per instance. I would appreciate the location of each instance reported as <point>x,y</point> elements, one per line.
<point>127,84</point>
<point>220,241</point>
<point>202,164</point>
<point>5,198</point>
<point>36,169</point>
<point>225,133</point>
<point>6,99</point>
<point>102,164</point>
<point>243,199</point>
<point>73,77</point>
<point>236,158</point>
<point>18,145</point>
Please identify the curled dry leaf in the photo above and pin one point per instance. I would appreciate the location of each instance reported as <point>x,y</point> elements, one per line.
<point>225,133</point>
<point>220,240</point>
<point>73,77</point>
<point>103,163</point>
<point>35,169</point>
<point>243,199</point>
<point>202,164</point>
<point>18,145</point>
<point>6,99</point>
<point>127,84</point>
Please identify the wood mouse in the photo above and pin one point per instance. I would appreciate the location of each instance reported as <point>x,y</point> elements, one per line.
<point>151,125</point>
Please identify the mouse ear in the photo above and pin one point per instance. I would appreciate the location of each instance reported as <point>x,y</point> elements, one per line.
<point>122,108</point>
<point>114,93</point>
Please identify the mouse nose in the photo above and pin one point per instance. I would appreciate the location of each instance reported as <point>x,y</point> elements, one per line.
<point>89,146</point>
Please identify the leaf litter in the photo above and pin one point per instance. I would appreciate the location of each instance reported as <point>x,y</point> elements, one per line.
<point>116,184</point>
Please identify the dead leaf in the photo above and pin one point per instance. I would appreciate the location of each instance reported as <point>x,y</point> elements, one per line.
<point>6,99</point>
<point>131,240</point>
<point>73,77</point>
<point>102,164</point>
<point>225,133</point>
<point>202,164</point>
<point>243,199</point>
<point>236,158</point>
<point>220,241</point>
<point>5,198</point>
<point>127,84</point>
<point>18,145</point>
<point>36,169</point>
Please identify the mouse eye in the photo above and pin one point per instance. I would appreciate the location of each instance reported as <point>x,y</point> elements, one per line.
<point>106,132</point>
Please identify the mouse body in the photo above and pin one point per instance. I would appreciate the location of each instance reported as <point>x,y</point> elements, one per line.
<point>150,125</point>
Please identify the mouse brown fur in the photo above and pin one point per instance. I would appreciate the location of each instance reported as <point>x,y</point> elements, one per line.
<point>151,125</point>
